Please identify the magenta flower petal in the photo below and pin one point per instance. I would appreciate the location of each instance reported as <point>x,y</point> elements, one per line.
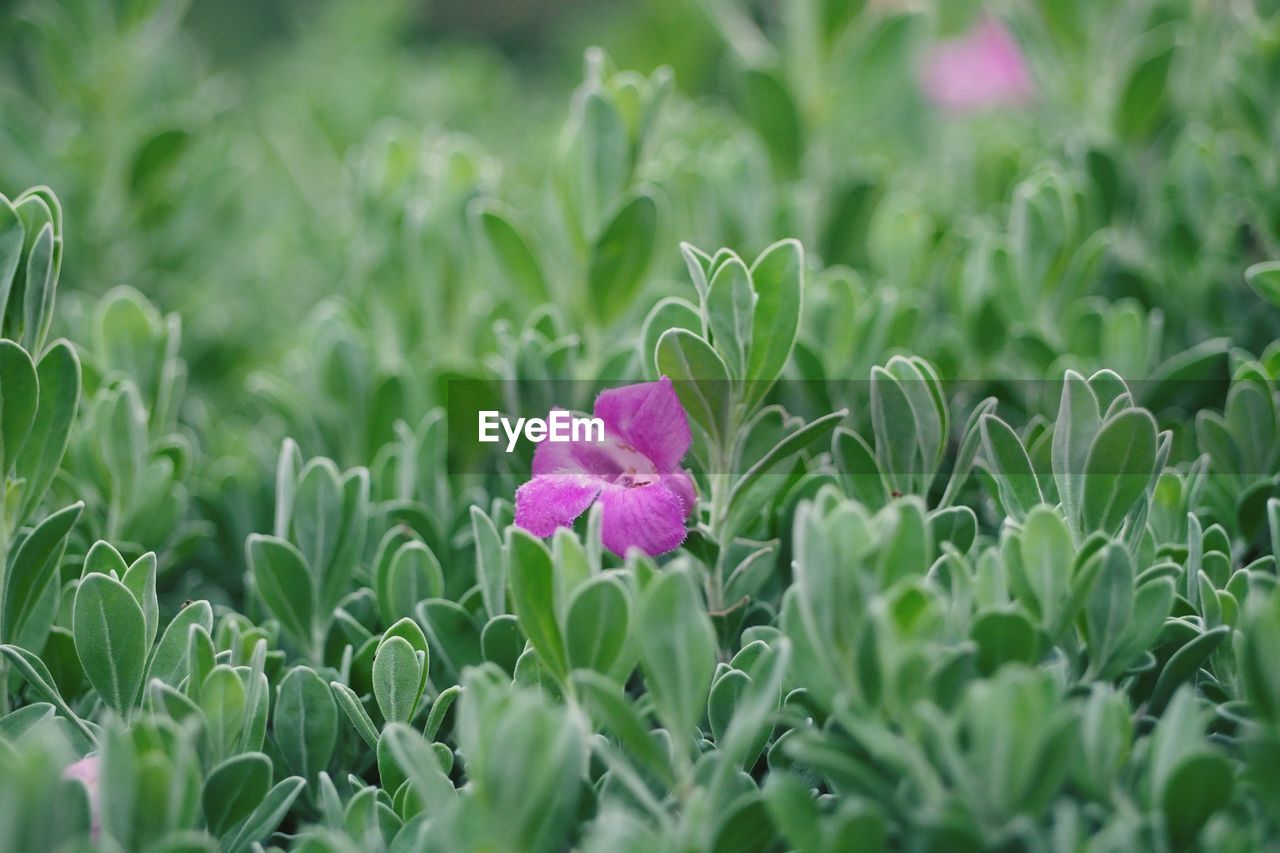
<point>982,69</point>
<point>85,771</point>
<point>634,472</point>
<point>554,500</point>
<point>556,457</point>
<point>649,417</point>
<point>681,483</point>
<point>649,517</point>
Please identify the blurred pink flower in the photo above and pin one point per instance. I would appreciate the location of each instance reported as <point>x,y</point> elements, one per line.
<point>980,70</point>
<point>85,771</point>
<point>634,473</point>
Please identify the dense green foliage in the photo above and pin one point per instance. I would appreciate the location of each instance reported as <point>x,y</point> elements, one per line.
<point>986,417</point>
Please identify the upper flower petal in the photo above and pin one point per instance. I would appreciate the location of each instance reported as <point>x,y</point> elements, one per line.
<point>553,500</point>
<point>556,457</point>
<point>649,517</point>
<point>649,417</point>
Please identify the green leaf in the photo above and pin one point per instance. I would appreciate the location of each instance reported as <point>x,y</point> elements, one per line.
<point>454,637</point>
<point>725,692</point>
<point>163,699</point>
<point>794,811</point>
<point>224,703</point>
<point>109,628</point>
<point>699,266</point>
<point>670,313</point>
<point>502,641</point>
<point>1264,278</point>
<point>957,525</point>
<point>970,443</point>
<point>38,676</point>
<point>930,419</point>
<point>140,579</point>
<point>1185,662</point>
<point>1078,422</point>
<point>1121,463</point>
<point>120,422</point>
<point>859,471</point>
<point>41,285</point>
<point>602,156</point>
<point>1151,605</point>
<point>104,559</point>
<point>284,582</point>
<point>1197,788</point>
<point>778,278</point>
<point>234,788</point>
<point>19,395</point>
<point>351,705</point>
<point>155,158</point>
<point>751,491</point>
<point>905,549</point>
<point>609,708</point>
<point>1011,467</point>
<point>419,763</point>
<point>773,113</point>
<point>12,240</point>
<point>17,723</point>
<point>397,672</point>
<point>744,734</point>
<point>1142,101</point>
<point>32,570</point>
<point>677,649</point>
<point>257,699</point>
<point>620,257</point>
<point>201,658</point>
<point>1109,606</point>
<point>1251,417</point>
<point>1004,636</point>
<point>169,659</point>
<point>700,378</point>
<point>267,816</point>
<point>534,595</point>
<point>409,575</point>
<point>1258,673</point>
<point>598,624</point>
<point>59,376</point>
<point>439,708</point>
<point>318,514</point>
<point>512,245</point>
<point>305,722</point>
<point>731,305</point>
<point>1046,561</point>
<point>894,421</point>
<point>491,566</point>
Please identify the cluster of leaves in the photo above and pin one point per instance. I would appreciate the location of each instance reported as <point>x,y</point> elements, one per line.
<point>917,608</point>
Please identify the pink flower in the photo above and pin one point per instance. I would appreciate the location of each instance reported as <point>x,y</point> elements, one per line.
<point>980,70</point>
<point>634,473</point>
<point>85,771</point>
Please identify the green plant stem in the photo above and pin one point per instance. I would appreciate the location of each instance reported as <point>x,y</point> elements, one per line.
<point>721,479</point>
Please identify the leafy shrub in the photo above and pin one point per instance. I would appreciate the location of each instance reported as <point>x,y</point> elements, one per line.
<point>962,409</point>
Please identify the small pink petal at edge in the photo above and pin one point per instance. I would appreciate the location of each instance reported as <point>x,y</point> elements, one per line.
<point>649,417</point>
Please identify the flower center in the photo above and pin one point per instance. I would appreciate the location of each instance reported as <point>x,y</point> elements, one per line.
<point>631,478</point>
<point>633,467</point>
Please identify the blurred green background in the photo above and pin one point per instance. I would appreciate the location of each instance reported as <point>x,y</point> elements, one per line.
<point>204,150</point>
<point>296,188</point>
